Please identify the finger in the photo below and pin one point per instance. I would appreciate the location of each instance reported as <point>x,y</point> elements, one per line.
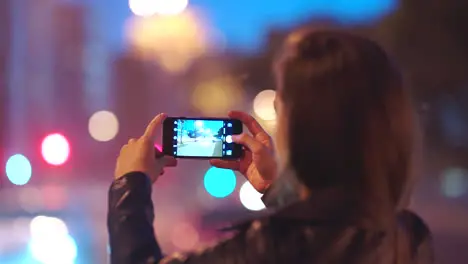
<point>225,164</point>
<point>132,140</point>
<point>169,161</point>
<point>123,148</point>
<point>151,129</point>
<point>248,141</point>
<point>249,121</point>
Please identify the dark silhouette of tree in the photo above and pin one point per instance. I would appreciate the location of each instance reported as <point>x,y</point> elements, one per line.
<point>220,133</point>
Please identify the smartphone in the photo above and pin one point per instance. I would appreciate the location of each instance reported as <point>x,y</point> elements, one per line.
<point>201,138</point>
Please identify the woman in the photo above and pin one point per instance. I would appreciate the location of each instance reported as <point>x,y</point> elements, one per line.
<point>344,156</point>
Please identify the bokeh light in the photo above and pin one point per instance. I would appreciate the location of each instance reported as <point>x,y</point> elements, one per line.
<point>263,105</point>
<point>251,198</point>
<point>18,169</point>
<point>173,41</point>
<point>147,8</point>
<point>143,8</point>
<point>54,196</point>
<point>30,199</point>
<point>454,182</point>
<point>217,96</point>
<point>51,242</point>
<point>54,250</point>
<point>219,183</point>
<point>184,236</point>
<point>103,126</point>
<point>268,125</point>
<point>55,149</point>
<point>172,7</point>
<point>45,226</point>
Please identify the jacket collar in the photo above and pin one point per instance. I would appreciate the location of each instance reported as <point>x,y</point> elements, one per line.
<point>324,205</point>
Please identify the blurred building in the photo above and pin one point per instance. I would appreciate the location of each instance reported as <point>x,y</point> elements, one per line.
<point>68,46</point>
<point>133,80</point>
<point>98,92</point>
<point>33,57</point>
<point>5,35</point>
<point>46,69</point>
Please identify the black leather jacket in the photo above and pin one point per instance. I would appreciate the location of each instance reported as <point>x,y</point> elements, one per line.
<point>322,229</point>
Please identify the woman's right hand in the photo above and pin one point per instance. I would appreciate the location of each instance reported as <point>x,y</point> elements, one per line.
<point>258,164</point>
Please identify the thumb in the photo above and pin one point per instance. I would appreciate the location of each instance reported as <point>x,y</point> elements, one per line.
<point>248,141</point>
<point>169,161</point>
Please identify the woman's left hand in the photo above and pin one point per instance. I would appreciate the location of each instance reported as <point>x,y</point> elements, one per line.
<point>140,155</point>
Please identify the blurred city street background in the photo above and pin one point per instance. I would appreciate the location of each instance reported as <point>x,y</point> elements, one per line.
<point>78,78</point>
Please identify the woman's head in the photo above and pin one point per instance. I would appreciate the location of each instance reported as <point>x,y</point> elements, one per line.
<point>344,117</point>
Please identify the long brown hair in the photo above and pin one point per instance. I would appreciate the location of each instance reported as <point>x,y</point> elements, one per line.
<point>350,119</point>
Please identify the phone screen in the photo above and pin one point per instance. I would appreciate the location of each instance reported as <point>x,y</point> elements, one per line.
<point>201,138</point>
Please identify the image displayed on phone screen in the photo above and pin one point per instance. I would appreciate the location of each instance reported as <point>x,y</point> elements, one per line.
<point>203,138</point>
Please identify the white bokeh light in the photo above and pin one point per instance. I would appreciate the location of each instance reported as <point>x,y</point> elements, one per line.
<point>171,7</point>
<point>143,8</point>
<point>147,8</point>
<point>263,105</point>
<point>59,250</point>
<point>250,198</point>
<point>44,226</point>
<point>103,126</point>
<point>50,241</point>
<point>55,149</point>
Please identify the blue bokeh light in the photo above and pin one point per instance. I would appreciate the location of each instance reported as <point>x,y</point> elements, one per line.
<point>219,183</point>
<point>18,169</point>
